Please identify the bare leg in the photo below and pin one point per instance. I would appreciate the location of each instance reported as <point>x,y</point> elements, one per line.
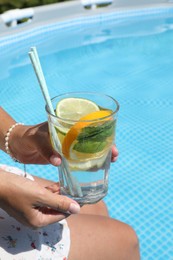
<point>95,209</point>
<point>98,238</point>
<point>95,236</point>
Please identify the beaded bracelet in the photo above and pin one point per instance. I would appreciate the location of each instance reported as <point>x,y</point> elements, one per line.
<point>7,136</point>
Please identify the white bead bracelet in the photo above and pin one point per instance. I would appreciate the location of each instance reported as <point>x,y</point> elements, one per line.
<point>7,136</point>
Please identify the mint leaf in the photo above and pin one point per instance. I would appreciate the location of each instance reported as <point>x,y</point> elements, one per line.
<point>89,147</point>
<point>92,139</point>
<point>97,133</point>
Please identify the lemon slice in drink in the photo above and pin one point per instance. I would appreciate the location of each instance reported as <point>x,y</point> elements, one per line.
<point>61,132</point>
<point>93,164</point>
<point>72,109</point>
<point>75,108</point>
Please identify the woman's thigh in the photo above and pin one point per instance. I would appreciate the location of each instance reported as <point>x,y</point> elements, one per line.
<point>98,238</point>
<point>98,208</point>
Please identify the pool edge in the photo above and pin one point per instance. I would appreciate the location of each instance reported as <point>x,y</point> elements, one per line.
<point>60,12</point>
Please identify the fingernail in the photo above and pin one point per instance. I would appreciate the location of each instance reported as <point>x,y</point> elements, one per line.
<point>74,208</point>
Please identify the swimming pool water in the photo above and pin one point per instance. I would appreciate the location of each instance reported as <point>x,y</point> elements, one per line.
<point>129,57</point>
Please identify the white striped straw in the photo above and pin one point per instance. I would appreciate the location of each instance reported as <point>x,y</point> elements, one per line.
<point>40,76</point>
<point>42,82</point>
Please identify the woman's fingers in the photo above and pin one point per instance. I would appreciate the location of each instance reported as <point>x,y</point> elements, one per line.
<point>51,208</point>
<point>55,160</point>
<point>54,188</point>
<point>114,154</point>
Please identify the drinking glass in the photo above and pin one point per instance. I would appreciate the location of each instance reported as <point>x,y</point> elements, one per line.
<point>84,140</point>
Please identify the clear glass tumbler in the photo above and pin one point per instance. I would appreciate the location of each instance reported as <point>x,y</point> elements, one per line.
<point>82,130</point>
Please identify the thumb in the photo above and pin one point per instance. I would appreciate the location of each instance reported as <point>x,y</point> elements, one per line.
<point>49,155</point>
<point>60,203</point>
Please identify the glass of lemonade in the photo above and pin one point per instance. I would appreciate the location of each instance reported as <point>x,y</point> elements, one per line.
<point>85,126</point>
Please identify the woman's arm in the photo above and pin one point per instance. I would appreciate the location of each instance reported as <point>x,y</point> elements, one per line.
<point>6,121</point>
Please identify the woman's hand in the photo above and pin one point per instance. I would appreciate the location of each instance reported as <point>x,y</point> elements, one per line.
<point>31,145</point>
<point>31,203</point>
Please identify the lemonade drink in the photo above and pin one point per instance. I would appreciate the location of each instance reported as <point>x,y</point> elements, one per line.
<point>85,126</point>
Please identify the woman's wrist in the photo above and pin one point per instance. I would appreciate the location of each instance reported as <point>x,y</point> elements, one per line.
<point>15,140</point>
<point>3,188</point>
<point>8,121</point>
<point>8,138</point>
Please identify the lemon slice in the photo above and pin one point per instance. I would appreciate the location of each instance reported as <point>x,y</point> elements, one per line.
<point>75,108</point>
<point>94,164</point>
<point>75,130</point>
<point>62,130</point>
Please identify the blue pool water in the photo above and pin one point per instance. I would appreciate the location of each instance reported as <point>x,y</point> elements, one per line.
<point>130,57</point>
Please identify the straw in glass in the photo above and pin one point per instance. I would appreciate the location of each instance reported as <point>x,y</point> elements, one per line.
<point>74,187</point>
